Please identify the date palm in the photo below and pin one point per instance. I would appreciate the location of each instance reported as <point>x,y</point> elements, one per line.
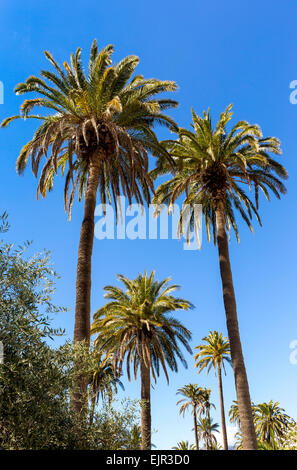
<point>213,355</point>
<point>213,167</point>
<point>193,397</point>
<point>183,445</point>
<point>206,429</point>
<point>271,422</point>
<point>136,324</point>
<point>97,128</point>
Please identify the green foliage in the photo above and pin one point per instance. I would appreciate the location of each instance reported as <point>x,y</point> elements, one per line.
<point>33,382</point>
<point>194,396</point>
<point>184,445</point>
<point>114,426</point>
<point>135,324</point>
<point>35,377</point>
<point>274,428</point>
<point>105,116</point>
<point>271,422</point>
<point>206,429</point>
<point>214,165</point>
<point>214,353</point>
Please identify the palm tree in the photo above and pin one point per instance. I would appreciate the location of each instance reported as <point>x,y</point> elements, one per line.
<point>271,422</point>
<point>206,429</point>
<point>212,167</point>
<point>194,397</point>
<point>213,354</point>
<point>99,124</point>
<point>103,382</point>
<point>183,445</point>
<point>234,413</point>
<point>135,324</point>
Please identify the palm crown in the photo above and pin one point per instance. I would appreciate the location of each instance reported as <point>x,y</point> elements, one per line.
<point>213,164</point>
<point>214,353</point>
<point>193,396</point>
<point>136,322</point>
<point>101,115</point>
<point>271,421</point>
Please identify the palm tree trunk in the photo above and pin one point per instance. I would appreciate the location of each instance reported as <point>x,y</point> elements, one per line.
<point>224,432</point>
<point>195,428</point>
<point>241,382</point>
<point>145,406</point>
<point>209,430</point>
<point>83,282</point>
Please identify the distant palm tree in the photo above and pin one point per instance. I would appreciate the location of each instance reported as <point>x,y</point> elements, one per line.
<point>103,382</point>
<point>212,168</point>
<point>184,445</point>
<point>234,413</point>
<point>213,354</point>
<point>194,397</point>
<point>100,124</point>
<point>206,429</point>
<point>271,422</point>
<point>136,324</point>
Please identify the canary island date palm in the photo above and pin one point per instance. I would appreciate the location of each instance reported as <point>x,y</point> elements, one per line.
<point>271,422</point>
<point>97,128</point>
<point>213,355</point>
<point>136,324</point>
<point>214,166</point>
<point>193,397</point>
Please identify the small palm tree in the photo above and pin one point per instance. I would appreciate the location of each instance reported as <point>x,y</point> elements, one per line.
<point>194,397</point>
<point>206,404</point>
<point>212,168</point>
<point>135,443</point>
<point>271,422</point>
<point>183,445</point>
<point>213,355</point>
<point>234,413</point>
<point>103,382</point>
<point>135,324</point>
<point>99,124</point>
<point>206,429</point>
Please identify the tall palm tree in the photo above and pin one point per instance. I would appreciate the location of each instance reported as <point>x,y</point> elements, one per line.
<point>213,166</point>
<point>183,445</point>
<point>206,429</point>
<point>103,382</point>
<point>194,397</point>
<point>135,324</point>
<point>99,125</point>
<point>271,422</point>
<point>212,355</point>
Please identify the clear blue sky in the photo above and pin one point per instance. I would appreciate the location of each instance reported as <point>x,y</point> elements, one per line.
<point>218,53</point>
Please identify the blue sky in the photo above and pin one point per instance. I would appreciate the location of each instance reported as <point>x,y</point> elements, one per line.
<point>218,53</point>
